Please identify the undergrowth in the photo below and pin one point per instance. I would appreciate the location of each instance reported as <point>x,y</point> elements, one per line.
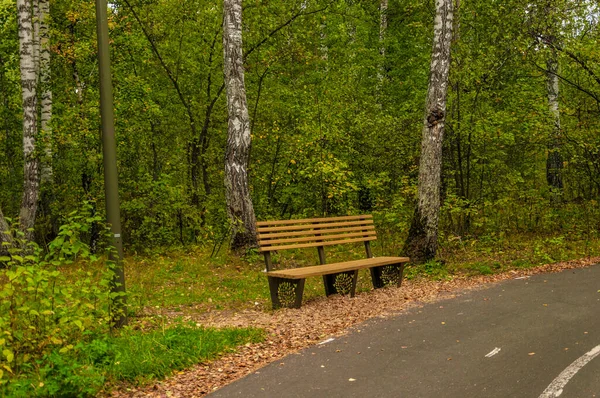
<point>56,338</point>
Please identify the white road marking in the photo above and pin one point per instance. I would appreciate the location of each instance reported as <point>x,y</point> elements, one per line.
<point>556,387</point>
<point>329,340</point>
<point>493,352</point>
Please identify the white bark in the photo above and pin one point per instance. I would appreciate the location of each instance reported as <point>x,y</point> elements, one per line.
<point>28,92</point>
<point>45,89</point>
<point>237,191</point>
<point>422,241</point>
<point>383,24</point>
<point>554,161</point>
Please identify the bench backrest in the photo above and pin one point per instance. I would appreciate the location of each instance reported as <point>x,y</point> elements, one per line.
<point>314,232</point>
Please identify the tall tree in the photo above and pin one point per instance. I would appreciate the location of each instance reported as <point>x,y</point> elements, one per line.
<point>383,6</point>
<point>421,243</point>
<point>45,89</point>
<point>237,191</point>
<point>554,163</point>
<point>28,71</point>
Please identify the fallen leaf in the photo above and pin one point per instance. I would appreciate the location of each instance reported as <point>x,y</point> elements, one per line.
<point>531,353</point>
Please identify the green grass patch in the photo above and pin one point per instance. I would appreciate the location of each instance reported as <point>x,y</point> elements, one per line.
<point>133,356</point>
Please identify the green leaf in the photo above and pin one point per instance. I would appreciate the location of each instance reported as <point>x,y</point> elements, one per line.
<point>4,258</point>
<point>78,323</point>
<point>9,355</point>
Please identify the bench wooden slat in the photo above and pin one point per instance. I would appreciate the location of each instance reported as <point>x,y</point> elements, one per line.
<point>314,226</point>
<point>316,270</point>
<point>316,244</point>
<point>312,220</point>
<point>270,235</point>
<point>315,238</point>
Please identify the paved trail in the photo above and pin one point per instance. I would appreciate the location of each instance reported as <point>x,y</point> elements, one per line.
<point>533,337</point>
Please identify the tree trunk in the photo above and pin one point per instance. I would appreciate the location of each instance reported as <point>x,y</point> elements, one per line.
<point>554,162</point>
<point>28,70</point>
<point>45,90</point>
<point>237,192</point>
<point>421,244</point>
<point>383,24</point>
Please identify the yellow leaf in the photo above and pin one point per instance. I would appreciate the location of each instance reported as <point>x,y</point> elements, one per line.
<point>9,355</point>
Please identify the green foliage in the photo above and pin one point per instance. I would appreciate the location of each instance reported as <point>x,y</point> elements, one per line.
<point>69,244</point>
<point>132,356</point>
<point>436,270</point>
<point>136,357</point>
<point>55,319</point>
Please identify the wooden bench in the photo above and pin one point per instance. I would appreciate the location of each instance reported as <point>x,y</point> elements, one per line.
<point>287,285</point>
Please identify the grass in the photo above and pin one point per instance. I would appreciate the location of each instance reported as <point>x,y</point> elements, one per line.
<point>136,357</point>
<point>133,356</point>
<point>179,280</point>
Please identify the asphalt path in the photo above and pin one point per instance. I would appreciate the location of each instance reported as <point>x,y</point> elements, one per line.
<point>532,337</point>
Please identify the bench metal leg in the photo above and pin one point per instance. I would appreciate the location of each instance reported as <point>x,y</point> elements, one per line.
<point>387,275</point>
<point>286,292</point>
<point>343,283</point>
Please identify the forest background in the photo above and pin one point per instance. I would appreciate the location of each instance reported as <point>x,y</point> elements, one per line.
<point>336,92</point>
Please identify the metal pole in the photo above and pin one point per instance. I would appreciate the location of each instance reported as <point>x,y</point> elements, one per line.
<point>109,151</point>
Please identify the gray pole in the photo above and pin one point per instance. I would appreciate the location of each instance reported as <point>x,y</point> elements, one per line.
<point>109,151</point>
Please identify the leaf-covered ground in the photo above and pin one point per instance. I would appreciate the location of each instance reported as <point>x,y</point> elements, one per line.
<point>289,330</point>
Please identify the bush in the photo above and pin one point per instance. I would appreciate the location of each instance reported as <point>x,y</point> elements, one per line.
<point>55,325</point>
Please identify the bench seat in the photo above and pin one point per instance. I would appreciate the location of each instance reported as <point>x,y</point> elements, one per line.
<point>336,268</point>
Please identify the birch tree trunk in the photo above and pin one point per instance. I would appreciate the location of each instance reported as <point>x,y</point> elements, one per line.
<point>421,244</point>
<point>383,24</point>
<point>28,70</point>
<point>554,163</point>
<point>237,192</point>
<point>45,90</point>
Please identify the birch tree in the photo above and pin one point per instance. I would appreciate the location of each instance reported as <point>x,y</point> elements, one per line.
<point>383,24</point>
<point>554,162</point>
<point>237,192</point>
<point>27,65</point>
<point>45,89</point>
<point>421,243</point>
